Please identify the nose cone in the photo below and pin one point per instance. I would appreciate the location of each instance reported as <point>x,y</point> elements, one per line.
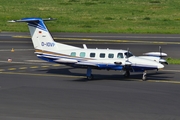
<point>160,66</point>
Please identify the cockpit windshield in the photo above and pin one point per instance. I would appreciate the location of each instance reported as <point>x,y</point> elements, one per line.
<point>128,54</point>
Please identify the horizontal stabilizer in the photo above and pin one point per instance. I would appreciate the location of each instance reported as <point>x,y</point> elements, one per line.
<point>32,19</point>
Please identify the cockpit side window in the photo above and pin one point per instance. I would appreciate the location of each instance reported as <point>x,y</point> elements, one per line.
<point>128,54</point>
<point>120,55</point>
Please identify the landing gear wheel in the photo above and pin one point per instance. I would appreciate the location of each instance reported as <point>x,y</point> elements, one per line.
<point>90,77</point>
<point>144,76</point>
<point>127,74</point>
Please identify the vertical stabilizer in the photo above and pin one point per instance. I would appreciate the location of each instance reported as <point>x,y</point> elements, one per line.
<point>41,38</point>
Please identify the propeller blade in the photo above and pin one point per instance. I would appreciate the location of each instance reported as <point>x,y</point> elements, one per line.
<point>160,51</point>
<point>128,53</point>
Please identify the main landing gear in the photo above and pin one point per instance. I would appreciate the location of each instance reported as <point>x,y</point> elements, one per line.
<point>127,74</point>
<point>88,74</point>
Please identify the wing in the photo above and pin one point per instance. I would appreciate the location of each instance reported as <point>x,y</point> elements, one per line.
<point>105,64</point>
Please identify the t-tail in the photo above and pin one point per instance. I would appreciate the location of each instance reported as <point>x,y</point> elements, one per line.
<point>41,38</point>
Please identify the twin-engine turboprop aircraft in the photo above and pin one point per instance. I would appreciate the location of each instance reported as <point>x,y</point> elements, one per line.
<point>109,59</point>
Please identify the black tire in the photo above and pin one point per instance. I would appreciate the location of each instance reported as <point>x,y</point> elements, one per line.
<point>90,77</point>
<point>127,74</point>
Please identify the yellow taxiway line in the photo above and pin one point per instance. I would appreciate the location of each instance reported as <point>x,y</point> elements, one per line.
<point>107,40</point>
<point>48,75</point>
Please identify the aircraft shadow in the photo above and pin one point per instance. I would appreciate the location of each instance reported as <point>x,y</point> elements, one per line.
<point>102,76</point>
<point>63,71</point>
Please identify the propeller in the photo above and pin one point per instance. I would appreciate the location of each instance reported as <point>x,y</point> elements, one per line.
<point>128,63</point>
<point>160,51</point>
<point>127,53</point>
<point>161,55</point>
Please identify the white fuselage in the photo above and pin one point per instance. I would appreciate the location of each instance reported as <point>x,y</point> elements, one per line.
<point>104,59</point>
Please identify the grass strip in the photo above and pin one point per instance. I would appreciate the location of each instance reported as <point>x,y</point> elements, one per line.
<point>95,16</point>
<point>173,61</point>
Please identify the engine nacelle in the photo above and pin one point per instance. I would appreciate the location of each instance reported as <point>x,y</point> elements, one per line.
<point>156,54</point>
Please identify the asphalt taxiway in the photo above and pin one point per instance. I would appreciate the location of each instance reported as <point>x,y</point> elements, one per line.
<point>32,89</point>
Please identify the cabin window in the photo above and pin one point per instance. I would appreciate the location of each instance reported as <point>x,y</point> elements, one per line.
<point>73,53</point>
<point>119,55</point>
<point>102,55</point>
<point>82,54</point>
<point>92,54</point>
<point>111,55</point>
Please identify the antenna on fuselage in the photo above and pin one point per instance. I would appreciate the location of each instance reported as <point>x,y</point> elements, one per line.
<point>84,46</point>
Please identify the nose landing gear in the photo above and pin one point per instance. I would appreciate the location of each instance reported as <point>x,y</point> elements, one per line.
<point>144,76</point>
